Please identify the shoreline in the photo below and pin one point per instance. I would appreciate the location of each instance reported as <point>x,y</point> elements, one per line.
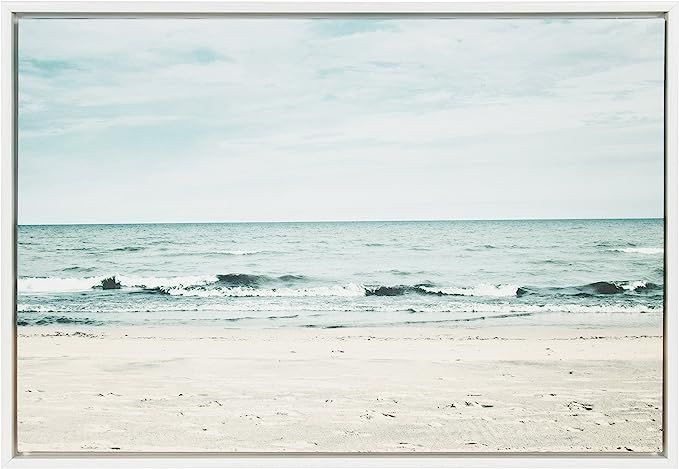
<point>512,320</point>
<point>388,389</point>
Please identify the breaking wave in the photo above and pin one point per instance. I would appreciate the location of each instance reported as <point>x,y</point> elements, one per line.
<point>479,290</point>
<point>69,285</point>
<point>248,291</point>
<point>595,289</point>
<point>640,250</point>
<point>290,285</point>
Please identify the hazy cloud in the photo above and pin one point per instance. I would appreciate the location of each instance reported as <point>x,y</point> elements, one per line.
<point>269,119</point>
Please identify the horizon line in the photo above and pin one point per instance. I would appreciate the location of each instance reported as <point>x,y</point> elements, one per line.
<point>241,222</point>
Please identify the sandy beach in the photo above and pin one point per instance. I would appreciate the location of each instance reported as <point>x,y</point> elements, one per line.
<point>401,389</point>
<point>340,234</point>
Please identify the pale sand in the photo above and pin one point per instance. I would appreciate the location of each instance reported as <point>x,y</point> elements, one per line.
<point>404,389</point>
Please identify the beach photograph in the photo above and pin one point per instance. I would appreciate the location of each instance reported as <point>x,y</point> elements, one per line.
<point>340,235</point>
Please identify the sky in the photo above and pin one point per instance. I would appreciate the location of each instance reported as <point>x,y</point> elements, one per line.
<point>223,119</point>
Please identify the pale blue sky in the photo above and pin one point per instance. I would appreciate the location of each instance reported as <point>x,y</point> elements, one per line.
<point>178,120</point>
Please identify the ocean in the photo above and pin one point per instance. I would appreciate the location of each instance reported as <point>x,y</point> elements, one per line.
<point>342,274</point>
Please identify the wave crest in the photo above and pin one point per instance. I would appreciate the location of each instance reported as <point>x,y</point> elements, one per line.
<point>289,285</point>
<point>248,291</point>
<point>502,290</point>
<point>640,250</point>
<point>595,289</point>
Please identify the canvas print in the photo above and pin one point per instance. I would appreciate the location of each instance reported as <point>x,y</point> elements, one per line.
<point>342,234</point>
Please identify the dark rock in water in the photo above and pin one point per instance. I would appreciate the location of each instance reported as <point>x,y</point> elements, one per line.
<point>241,280</point>
<point>110,284</point>
<point>648,287</point>
<point>605,288</point>
<point>385,291</point>
<point>521,291</point>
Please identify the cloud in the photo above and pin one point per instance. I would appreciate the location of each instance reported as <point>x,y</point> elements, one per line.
<point>230,105</point>
<point>79,126</point>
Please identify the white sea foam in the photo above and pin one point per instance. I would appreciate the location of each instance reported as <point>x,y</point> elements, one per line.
<point>68,285</point>
<point>631,286</point>
<point>55,285</point>
<point>165,282</point>
<point>241,253</point>
<point>27,307</point>
<point>640,250</point>
<point>297,307</point>
<point>349,290</point>
<point>479,290</point>
<point>191,285</point>
<point>551,308</point>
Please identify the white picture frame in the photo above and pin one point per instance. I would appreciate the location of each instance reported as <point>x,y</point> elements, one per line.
<point>12,10</point>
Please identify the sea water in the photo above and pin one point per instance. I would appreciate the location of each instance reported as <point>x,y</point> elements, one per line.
<point>342,274</point>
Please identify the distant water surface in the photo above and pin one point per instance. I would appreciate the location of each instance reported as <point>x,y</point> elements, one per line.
<point>342,274</point>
